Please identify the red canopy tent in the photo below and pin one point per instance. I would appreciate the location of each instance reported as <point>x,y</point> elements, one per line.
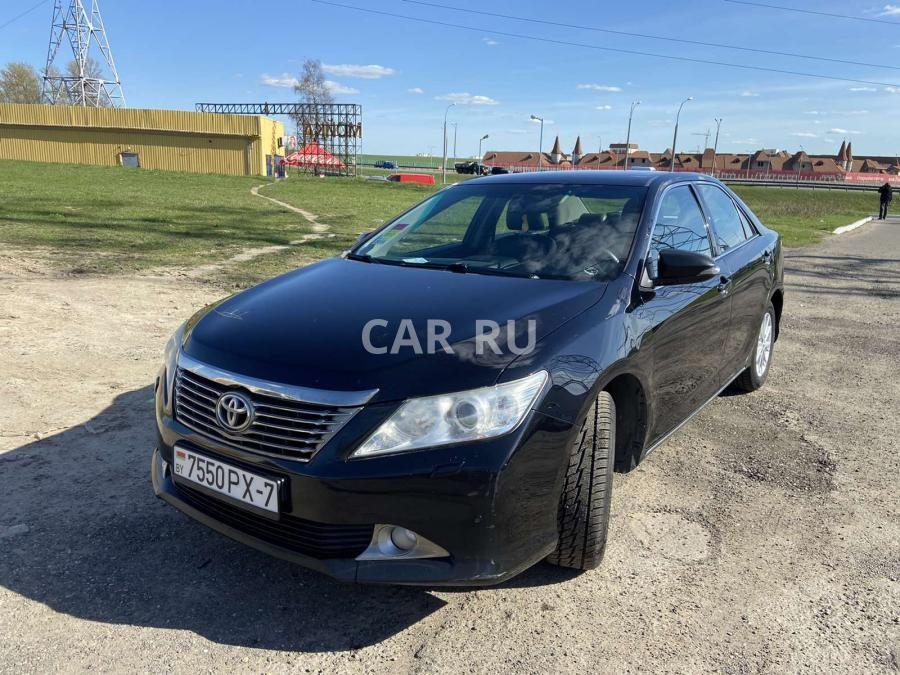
<point>313,155</point>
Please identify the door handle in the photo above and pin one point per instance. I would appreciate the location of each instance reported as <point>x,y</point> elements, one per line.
<point>724,285</point>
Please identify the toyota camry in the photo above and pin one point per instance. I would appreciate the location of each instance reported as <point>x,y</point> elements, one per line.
<point>445,403</point>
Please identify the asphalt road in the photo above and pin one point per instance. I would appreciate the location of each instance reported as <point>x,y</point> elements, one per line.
<point>764,537</point>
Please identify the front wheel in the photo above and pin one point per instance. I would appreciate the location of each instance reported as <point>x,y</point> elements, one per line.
<point>755,376</point>
<point>584,503</point>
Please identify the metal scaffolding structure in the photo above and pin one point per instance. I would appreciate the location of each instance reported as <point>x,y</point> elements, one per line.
<point>86,80</point>
<point>328,138</point>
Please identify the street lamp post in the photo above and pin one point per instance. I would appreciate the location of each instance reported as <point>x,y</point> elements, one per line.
<point>675,137</point>
<point>455,124</point>
<point>540,142</point>
<point>479,145</point>
<point>634,104</point>
<point>716,144</point>
<point>444,162</point>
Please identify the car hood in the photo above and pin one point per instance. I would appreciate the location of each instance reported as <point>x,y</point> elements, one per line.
<point>306,328</point>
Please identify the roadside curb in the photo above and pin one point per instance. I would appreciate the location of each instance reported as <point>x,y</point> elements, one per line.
<point>852,226</point>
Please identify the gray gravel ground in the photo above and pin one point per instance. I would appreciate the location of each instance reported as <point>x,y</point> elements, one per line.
<point>764,537</point>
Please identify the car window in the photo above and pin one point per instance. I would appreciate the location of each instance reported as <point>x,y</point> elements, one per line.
<point>545,230</point>
<point>571,210</point>
<point>749,230</point>
<point>724,216</point>
<point>680,223</point>
<point>436,226</point>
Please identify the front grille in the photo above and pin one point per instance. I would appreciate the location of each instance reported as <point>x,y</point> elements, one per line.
<point>281,427</point>
<point>317,540</point>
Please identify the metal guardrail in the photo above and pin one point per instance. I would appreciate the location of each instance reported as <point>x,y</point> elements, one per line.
<point>786,183</point>
<point>803,184</point>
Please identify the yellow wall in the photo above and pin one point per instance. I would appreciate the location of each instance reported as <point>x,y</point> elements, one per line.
<point>270,131</point>
<point>165,139</point>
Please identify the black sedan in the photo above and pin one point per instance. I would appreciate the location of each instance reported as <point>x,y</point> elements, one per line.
<point>446,402</point>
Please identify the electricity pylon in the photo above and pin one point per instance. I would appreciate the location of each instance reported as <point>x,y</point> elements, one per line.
<point>86,80</point>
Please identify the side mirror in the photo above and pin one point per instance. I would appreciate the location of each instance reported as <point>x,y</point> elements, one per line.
<point>676,267</point>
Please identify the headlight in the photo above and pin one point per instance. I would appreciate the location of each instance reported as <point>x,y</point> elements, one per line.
<point>173,348</point>
<point>455,418</point>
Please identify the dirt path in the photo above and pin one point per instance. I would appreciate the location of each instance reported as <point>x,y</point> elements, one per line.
<point>765,536</point>
<point>311,218</point>
<point>208,270</point>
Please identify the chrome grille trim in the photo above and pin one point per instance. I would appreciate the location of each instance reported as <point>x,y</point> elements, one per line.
<point>281,428</point>
<point>286,392</point>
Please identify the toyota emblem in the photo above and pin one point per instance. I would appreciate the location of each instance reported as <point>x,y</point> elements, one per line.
<point>234,412</point>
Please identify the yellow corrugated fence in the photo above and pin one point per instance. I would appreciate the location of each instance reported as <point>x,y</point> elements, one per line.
<point>172,140</point>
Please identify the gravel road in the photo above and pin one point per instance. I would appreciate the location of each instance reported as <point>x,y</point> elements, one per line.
<point>764,537</point>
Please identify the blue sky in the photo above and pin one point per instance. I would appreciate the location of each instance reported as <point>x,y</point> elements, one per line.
<point>173,54</point>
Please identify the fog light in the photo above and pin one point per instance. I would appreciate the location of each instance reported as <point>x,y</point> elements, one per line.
<point>392,542</point>
<point>403,539</point>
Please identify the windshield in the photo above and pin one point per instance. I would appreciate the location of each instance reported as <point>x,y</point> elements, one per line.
<point>554,231</point>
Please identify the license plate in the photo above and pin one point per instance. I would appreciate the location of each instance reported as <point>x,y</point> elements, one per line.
<point>224,479</point>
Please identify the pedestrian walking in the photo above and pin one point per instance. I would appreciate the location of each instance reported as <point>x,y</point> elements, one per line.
<point>887,194</point>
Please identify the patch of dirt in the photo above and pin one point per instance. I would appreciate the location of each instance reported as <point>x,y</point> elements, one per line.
<point>760,538</point>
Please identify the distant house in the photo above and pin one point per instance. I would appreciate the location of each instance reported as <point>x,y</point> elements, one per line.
<point>770,161</point>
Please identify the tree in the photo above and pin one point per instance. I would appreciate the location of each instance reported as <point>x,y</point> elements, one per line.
<point>312,86</point>
<point>19,83</point>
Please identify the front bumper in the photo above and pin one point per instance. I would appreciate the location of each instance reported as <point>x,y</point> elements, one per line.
<point>492,505</point>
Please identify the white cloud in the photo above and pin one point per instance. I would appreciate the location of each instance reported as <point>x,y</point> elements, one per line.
<point>490,42</point>
<point>284,80</point>
<point>370,72</point>
<point>804,134</point>
<point>338,88</point>
<point>465,98</point>
<point>863,89</point>
<point>890,10</point>
<point>604,107</point>
<point>838,130</point>
<point>600,87</point>
<point>415,90</point>
<point>288,81</point>
<point>892,90</point>
<point>518,131</point>
<point>813,112</point>
<point>749,94</point>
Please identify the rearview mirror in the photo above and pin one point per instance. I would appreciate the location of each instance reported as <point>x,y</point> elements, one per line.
<point>683,267</point>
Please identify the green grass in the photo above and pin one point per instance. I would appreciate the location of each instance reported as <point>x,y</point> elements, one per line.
<point>804,216</point>
<point>349,206</point>
<point>102,219</point>
<point>113,219</point>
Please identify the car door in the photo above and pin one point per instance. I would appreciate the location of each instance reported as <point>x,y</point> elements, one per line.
<point>686,325</point>
<point>747,264</point>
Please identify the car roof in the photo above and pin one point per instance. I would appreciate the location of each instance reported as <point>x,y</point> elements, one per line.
<point>593,177</point>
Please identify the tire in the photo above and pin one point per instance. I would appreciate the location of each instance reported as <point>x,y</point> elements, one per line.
<point>584,502</point>
<point>755,376</point>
